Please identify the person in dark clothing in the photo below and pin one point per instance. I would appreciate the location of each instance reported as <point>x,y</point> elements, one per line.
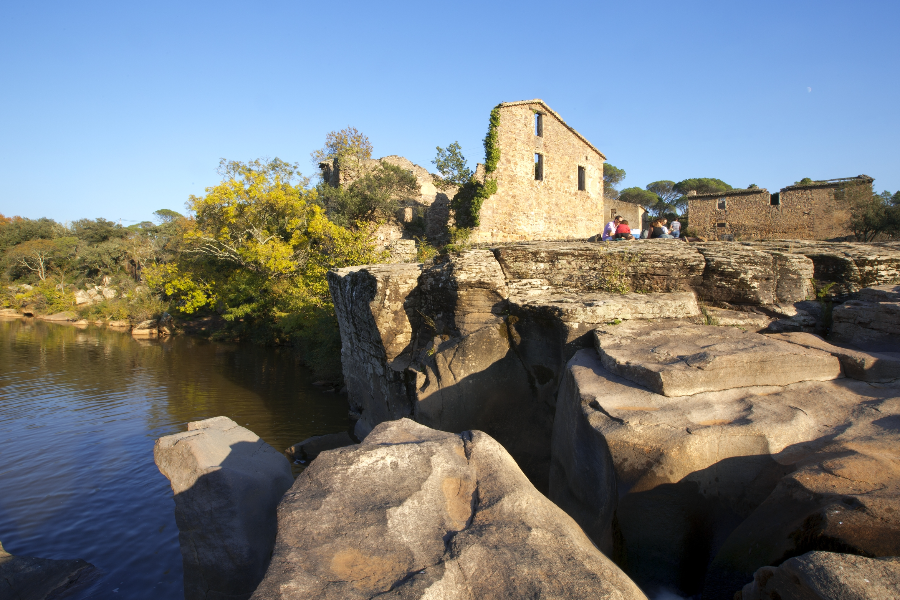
<point>623,231</point>
<point>658,230</point>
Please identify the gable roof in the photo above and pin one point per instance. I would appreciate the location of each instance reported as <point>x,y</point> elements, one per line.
<point>558,118</point>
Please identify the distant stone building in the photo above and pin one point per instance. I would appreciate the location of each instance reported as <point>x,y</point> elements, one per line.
<point>549,179</point>
<point>806,212</point>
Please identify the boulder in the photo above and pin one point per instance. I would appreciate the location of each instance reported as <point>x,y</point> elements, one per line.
<point>310,448</point>
<point>661,482</point>
<point>826,576</point>
<point>82,297</point>
<point>879,293</point>
<point>28,578</point>
<point>418,513</point>
<point>146,329</point>
<point>66,315</point>
<point>227,484</point>
<point>690,359</point>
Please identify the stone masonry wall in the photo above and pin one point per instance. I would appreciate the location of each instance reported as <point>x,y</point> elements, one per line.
<point>554,208</point>
<point>803,212</point>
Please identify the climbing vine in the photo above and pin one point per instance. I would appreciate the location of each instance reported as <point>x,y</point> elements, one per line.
<point>467,202</point>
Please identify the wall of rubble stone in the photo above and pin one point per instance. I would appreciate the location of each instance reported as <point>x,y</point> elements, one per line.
<point>797,212</point>
<point>552,208</point>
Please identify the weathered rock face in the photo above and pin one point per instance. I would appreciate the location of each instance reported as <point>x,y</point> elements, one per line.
<point>825,576</point>
<point>28,578</point>
<point>479,339</point>
<point>310,448</point>
<point>699,491</point>
<point>227,484</point>
<point>869,325</point>
<point>417,513</point>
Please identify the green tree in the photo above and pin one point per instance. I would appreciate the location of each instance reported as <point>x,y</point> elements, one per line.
<point>636,195</point>
<point>16,230</point>
<point>612,177</point>
<point>452,166</point>
<point>348,148</point>
<point>701,185</point>
<point>40,257</point>
<point>165,215</point>
<point>373,197</point>
<point>871,215</point>
<point>95,231</point>
<point>669,198</point>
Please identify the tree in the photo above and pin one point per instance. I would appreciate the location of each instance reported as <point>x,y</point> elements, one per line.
<point>451,164</point>
<point>375,196</point>
<point>701,185</point>
<point>870,214</point>
<point>348,148</point>
<point>612,176</point>
<point>669,198</point>
<point>18,230</point>
<point>636,195</point>
<point>95,231</point>
<point>165,215</point>
<point>40,256</point>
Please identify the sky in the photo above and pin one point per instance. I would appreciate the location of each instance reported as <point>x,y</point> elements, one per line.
<point>117,109</point>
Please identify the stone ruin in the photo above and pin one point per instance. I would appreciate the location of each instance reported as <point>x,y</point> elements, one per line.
<point>807,212</point>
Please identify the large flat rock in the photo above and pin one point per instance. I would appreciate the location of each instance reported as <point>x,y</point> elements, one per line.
<point>865,366</point>
<point>663,484</point>
<point>689,359</point>
<point>227,483</point>
<point>418,513</point>
<point>872,326</point>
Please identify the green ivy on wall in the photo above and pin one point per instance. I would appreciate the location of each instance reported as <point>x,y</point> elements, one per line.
<point>467,202</point>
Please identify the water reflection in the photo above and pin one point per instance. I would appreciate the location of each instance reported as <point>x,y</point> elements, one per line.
<point>79,412</point>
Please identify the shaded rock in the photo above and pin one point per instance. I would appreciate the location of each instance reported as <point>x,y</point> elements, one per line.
<point>146,329</point>
<point>66,315</point>
<point>825,576</point>
<point>873,326</point>
<point>750,321</point>
<point>879,293</point>
<point>227,484</point>
<point>689,472</point>
<point>694,358</point>
<point>865,366</point>
<point>28,578</point>
<point>310,448</point>
<point>417,513</point>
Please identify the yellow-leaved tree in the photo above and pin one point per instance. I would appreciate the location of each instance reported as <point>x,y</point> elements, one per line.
<point>257,251</point>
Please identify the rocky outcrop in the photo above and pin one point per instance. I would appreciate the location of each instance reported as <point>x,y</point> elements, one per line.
<point>418,513</point>
<point>227,484</point>
<point>310,448</point>
<point>28,578</point>
<point>825,576</point>
<point>479,339</point>
<point>759,462</point>
<point>868,325</point>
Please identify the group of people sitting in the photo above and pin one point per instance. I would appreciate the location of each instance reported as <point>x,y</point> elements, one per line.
<point>618,229</point>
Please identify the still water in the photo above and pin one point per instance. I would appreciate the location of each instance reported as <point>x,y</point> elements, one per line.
<point>80,410</point>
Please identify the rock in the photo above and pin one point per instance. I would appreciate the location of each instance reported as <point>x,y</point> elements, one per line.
<point>694,358</point>
<point>872,326</point>
<point>310,448</point>
<point>114,324</point>
<point>166,325</point>
<point>82,297</point>
<point>146,329</point>
<point>825,576</point>
<point>402,251</point>
<point>66,315</point>
<point>418,513</point>
<point>865,366</point>
<point>25,287</point>
<point>27,578</point>
<point>879,293</point>
<point>9,312</point>
<point>749,321</point>
<point>227,483</point>
<point>740,275</point>
<point>107,292</point>
<point>669,485</point>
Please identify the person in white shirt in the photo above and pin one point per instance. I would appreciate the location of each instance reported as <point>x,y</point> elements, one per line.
<point>676,228</point>
<point>609,231</point>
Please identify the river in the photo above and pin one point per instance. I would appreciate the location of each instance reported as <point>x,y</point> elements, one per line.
<point>80,410</point>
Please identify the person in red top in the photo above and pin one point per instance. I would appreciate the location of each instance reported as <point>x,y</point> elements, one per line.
<point>623,231</point>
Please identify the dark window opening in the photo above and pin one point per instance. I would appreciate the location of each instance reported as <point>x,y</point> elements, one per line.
<point>538,124</point>
<point>612,214</point>
<point>582,179</point>
<point>774,199</point>
<point>538,167</point>
<point>721,203</point>
<point>720,225</point>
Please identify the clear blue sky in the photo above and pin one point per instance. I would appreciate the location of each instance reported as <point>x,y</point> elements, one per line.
<point>116,109</point>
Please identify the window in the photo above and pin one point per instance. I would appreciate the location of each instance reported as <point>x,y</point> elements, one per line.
<point>722,225</point>
<point>538,167</point>
<point>582,179</point>
<point>612,214</point>
<point>775,199</point>
<point>539,124</point>
<point>721,203</point>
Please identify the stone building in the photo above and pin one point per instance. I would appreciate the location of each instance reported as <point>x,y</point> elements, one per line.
<point>807,212</point>
<point>549,179</point>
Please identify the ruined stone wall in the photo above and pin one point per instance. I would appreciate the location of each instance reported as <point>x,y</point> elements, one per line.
<point>629,211</point>
<point>801,212</point>
<point>553,208</point>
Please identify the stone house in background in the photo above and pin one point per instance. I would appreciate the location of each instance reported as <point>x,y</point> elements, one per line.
<point>800,212</point>
<point>549,179</point>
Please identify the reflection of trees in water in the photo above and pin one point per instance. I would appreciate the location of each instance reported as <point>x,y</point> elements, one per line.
<point>182,379</point>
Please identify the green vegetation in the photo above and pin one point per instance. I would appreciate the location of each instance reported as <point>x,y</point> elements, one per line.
<point>452,166</point>
<point>373,197</point>
<point>612,177</point>
<point>467,202</point>
<point>871,215</point>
